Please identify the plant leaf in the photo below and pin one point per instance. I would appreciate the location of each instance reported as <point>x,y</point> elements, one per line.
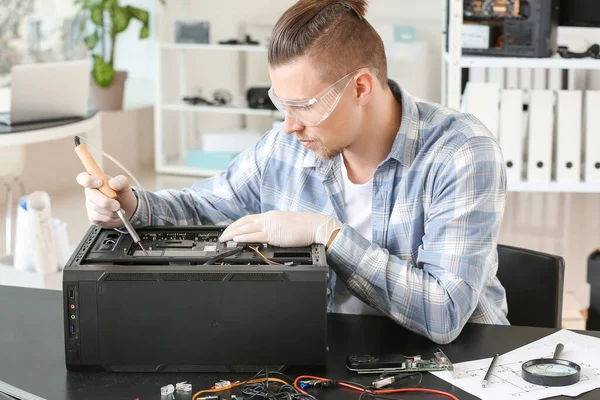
<point>92,40</point>
<point>120,19</point>
<point>102,72</point>
<point>109,4</point>
<point>144,32</point>
<point>139,14</point>
<point>96,15</point>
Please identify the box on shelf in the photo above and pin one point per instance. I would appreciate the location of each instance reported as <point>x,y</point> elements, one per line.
<point>230,140</point>
<point>199,158</point>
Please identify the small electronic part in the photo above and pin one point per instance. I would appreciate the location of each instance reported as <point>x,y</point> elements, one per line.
<point>231,244</point>
<point>492,9</point>
<point>167,390</point>
<point>221,384</point>
<point>183,387</point>
<point>387,380</point>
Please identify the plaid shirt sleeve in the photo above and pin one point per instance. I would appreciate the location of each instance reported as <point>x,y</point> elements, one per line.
<point>219,200</point>
<point>436,295</point>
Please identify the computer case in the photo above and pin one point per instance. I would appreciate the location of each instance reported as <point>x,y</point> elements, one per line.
<point>527,28</point>
<point>188,307</point>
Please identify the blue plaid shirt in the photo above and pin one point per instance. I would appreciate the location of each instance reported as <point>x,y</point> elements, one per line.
<point>438,202</point>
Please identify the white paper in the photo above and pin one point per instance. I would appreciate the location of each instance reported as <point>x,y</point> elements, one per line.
<point>506,382</point>
<point>17,393</point>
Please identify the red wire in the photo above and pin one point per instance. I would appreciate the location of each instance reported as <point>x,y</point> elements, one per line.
<point>378,391</point>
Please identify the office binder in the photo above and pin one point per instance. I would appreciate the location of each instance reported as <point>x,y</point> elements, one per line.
<point>568,136</point>
<point>481,99</point>
<point>511,132</point>
<point>592,136</point>
<point>541,125</point>
<point>512,78</point>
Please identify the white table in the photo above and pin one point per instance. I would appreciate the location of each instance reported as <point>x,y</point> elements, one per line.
<point>39,132</point>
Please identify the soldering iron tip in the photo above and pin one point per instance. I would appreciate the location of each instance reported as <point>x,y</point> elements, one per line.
<point>77,141</point>
<point>142,246</point>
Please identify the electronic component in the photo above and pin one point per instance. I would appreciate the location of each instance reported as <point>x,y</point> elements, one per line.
<point>510,28</point>
<point>167,390</point>
<point>489,9</point>
<point>183,387</point>
<point>389,363</point>
<point>189,299</point>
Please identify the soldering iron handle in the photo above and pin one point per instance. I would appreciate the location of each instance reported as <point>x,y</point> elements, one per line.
<point>93,169</point>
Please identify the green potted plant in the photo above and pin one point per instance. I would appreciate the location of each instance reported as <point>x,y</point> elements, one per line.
<point>109,18</point>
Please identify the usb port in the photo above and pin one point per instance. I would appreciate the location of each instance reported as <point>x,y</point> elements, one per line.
<point>72,329</point>
<point>71,293</point>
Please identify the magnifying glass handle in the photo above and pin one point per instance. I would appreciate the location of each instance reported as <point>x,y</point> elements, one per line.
<point>558,350</point>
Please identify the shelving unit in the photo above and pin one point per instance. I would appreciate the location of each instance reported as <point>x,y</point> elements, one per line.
<point>555,62</point>
<point>165,161</point>
<point>453,61</point>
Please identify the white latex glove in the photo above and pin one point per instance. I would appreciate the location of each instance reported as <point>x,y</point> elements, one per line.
<point>101,210</point>
<point>282,228</point>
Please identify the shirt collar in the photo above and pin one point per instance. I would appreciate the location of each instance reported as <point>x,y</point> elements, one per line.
<point>404,148</point>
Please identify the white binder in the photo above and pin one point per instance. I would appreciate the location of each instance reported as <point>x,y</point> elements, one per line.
<point>592,136</point>
<point>481,99</point>
<point>568,136</point>
<point>541,125</point>
<point>511,132</point>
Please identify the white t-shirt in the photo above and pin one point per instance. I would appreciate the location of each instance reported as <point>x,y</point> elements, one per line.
<point>357,209</point>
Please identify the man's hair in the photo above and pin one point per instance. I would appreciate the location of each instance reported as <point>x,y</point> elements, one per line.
<point>333,34</point>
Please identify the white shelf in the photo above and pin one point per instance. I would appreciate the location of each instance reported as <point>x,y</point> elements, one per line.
<point>556,62</point>
<point>210,46</point>
<point>575,187</point>
<point>220,109</point>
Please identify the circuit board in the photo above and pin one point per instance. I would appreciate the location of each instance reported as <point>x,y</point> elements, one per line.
<point>439,362</point>
<point>190,245</point>
<point>491,9</point>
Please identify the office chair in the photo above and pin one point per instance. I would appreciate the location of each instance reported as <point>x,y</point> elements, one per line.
<point>534,284</point>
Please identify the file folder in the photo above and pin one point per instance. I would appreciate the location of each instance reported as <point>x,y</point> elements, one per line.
<point>481,99</point>
<point>511,132</point>
<point>592,136</point>
<point>568,135</point>
<point>541,132</point>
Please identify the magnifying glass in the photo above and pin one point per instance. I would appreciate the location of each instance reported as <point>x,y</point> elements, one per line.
<point>551,371</point>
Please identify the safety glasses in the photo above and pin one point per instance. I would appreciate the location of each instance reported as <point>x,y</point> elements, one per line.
<point>313,111</point>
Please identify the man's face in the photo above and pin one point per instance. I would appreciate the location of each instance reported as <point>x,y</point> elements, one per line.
<point>299,81</point>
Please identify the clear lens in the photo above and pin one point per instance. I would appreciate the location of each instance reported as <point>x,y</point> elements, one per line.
<point>314,111</point>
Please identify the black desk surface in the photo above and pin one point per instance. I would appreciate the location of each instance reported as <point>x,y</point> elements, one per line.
<point>32,126</point>
<point>32,353</point>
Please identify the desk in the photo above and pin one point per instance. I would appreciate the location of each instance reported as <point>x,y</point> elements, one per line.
<point>38,132</point>
<point>31,353</point>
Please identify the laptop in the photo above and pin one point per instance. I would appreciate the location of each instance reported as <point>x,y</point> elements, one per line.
<point>48,92</point>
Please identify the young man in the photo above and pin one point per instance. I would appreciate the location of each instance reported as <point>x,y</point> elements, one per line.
<point>407,197</point>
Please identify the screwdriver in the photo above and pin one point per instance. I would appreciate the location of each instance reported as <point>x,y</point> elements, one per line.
<point>92,168</point>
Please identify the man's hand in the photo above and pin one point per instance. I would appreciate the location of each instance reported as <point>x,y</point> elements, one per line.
<point>101,210</point>
<point>282,228</point>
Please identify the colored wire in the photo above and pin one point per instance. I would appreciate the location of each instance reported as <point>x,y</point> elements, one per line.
<point>271,262</point>
<point>372,392</point>
<point>236,384</point>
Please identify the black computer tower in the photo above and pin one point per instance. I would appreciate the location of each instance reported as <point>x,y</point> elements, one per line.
<point>170,311</point>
